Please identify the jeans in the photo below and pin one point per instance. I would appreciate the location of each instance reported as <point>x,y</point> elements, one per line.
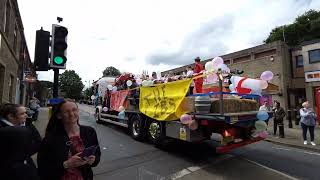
<point>279,123</point>
<point>304,131</point>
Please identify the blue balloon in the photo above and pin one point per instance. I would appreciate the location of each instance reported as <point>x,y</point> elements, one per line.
<point>262,115</point>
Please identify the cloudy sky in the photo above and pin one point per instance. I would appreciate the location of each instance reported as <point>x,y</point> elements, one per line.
<point>155,35</point>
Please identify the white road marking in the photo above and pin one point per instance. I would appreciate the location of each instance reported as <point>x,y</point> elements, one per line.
<point>192,169</point>
<point>306,152</point>
<point>270,169</point>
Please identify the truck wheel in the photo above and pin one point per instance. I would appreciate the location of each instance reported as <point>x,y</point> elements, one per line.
<point>156,132</point>
<point>137,127</point>
<point>97,117</point>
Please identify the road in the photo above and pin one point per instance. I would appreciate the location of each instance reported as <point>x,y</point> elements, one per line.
<point>124,158</point>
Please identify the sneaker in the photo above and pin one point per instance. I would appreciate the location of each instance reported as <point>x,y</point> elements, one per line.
<point>312,143</point>
<point>305,142</point>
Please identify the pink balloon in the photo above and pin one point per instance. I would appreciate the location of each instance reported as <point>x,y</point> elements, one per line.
<point>266,75</point>
<point>211,78</point>
<point>186,119</point>
<point>217,61</point>
<point>263,134</point>
<point>138,81</point>
<point>193,125</point>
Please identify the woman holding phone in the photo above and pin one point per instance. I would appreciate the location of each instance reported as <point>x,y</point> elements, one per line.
<point>68,150</point>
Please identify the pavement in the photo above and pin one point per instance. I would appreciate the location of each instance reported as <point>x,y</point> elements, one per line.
<point>293,136</point>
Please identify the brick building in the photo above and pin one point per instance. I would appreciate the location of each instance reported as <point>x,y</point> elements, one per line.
<point>306,62</point>
<point>16,69</point>
<point>274,57</point>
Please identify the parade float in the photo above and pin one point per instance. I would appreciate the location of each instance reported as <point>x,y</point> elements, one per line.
<point>156,109</point>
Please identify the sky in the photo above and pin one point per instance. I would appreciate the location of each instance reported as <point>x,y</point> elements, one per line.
<point>154,35</point>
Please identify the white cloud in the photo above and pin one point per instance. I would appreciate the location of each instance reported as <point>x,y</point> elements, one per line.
<point>155,35</point>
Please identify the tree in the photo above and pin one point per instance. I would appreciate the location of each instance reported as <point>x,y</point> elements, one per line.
<point>71,84</point>
<point>111,71</point>
<point>87,93</point>
<point>305,27</point>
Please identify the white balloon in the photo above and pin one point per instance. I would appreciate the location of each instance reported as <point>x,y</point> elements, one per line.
<point>114,88</point>
<point>209,66</point>
<point>110,87</point>
<point>105,109</point>
<point>264,84</point>
<point>144,83</point>
<point>129,83</point>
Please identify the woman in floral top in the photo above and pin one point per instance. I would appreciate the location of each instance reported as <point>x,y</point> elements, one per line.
<point>60,154</point>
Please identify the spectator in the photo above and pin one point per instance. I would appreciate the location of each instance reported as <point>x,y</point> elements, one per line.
<point>19,142</point>
<point>265,107</point>
<point>279,114</point>
<point>307,121</point>
<point>60,154</point>
<point>34,106</point>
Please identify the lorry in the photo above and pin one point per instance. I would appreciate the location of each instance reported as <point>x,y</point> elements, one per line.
<point>155,113</point>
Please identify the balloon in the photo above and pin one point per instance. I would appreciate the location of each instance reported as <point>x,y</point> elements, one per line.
<point>144,83</point>
<point>217,61</point>
<point>93,97</point>
<point>114,88</point>
<point>260,126</point>
<point>262,115</point>
<point>263,84</point>
<point>212,78</point>
<point>263,134</point>
<point>193,125</point>
<point>109,87</point>
<point>231,87</point>
<point>129,83</point>
<point>266,75</point>
<point>186,119</point>
<point>138,81</point>
<point>209,66</point>
<point>256,92</point>
<point>105,109</point>
<point>224,68</point>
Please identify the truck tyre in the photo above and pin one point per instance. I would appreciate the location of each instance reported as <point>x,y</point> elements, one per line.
<point>157,132</point>
<point>136,127</point>
<point>97,117</point>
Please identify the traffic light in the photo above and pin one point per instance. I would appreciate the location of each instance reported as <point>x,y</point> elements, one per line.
<point>41,53</point>
<point>59,47</point>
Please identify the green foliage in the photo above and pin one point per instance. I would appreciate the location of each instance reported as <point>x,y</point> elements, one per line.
<point>87,93</point>
<point>111,71</point>
<point>71,84</point>
<point>305,27</point>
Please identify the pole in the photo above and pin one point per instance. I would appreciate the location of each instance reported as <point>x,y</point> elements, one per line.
<point>220,95</point>
<point>55,82</point>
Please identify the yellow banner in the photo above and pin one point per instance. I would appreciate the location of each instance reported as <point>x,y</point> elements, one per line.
<point>163,101</point>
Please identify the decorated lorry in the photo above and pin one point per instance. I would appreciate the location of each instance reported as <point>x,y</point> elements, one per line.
<point>227,111</point>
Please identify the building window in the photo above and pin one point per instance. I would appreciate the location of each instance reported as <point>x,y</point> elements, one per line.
<point>314,56</point>
<point>7,18</point>
<point>265,53</point>
<point>241,59</point>
<point>11,88</point>
<point>299,61</point>
<point>15,38</point>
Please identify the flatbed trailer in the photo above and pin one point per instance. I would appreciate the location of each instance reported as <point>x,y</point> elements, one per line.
<point>230,130</point>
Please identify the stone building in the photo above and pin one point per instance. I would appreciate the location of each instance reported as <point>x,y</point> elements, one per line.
<point>16,69</point>
<point>253,61</point>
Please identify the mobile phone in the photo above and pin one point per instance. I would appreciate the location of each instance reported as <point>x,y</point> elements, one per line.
<point>89,151</point>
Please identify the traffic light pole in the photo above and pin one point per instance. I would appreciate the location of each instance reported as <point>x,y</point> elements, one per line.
<point>55,82</point>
